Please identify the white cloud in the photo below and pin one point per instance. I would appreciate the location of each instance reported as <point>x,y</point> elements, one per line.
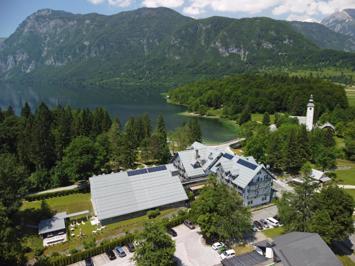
<point>96,2</point>
<point>166,3</point>
<point>120,3</point>
<point>305,18</point>
<point>294,9</point>
<point>116,3</point>
<point>305,10</point>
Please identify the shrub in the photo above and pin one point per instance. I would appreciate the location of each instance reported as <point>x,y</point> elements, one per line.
<point>153,213</point>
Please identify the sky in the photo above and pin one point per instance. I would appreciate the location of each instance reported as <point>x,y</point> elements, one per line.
<point>13,12</point>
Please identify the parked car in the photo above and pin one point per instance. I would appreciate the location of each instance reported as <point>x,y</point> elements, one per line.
<point>172,232</point>
<point>258,225</point>
<point>189,224</point>
<point>120,251</point>
<point>110,254</point>
<point>264,223</point>
<point>131,247</point>
<point>89,262</point>
<point>228,254</point>
<point>218,245</point>
<point>273,222</point>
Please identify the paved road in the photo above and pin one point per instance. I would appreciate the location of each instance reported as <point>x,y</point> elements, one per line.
<point>57,189</point>
<point>264,213</point>
<point>347,186</point>
<point>191,249</point>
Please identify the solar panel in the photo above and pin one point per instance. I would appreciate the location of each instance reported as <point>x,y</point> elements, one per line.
<point>157,168</point>
<point>137,172</point>
<point>228,156</point>
<point>247,164</point>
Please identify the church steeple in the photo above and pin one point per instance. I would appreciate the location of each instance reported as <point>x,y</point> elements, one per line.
<point>310,114</point>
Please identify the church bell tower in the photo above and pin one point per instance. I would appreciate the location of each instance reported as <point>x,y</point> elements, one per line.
<point>310,114</point>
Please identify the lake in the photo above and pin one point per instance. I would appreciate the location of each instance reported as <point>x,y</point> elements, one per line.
<point>213,130</point>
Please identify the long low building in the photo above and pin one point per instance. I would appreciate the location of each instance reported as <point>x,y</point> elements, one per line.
<point>119,196</point>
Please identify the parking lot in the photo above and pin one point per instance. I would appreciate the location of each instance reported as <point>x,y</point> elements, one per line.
<point>264,213</point>
<point>102,259</point>
<point>191,249</point>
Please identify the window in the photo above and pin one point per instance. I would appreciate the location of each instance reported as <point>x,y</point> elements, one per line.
<point>250,202</point>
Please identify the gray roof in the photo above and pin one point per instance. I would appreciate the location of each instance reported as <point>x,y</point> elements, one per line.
<point>248,259</point>
<point>304,249</point>
<point>243,168</point>
<point>56,223</point>
<point>121,193</point>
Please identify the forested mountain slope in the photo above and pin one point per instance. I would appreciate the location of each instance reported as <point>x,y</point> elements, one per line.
<point>62,56</point>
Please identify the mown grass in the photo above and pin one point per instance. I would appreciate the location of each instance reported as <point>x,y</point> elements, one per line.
<point>274,232</point>
<point>345,172</point>
<point>350,93</point>
<point>69,203</point>
<point>259,118</point>
<point>346,261</point>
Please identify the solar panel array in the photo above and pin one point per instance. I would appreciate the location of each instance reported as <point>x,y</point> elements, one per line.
<point>137,172</point>
<point>228,156</point>
<point>247,164</point>
<point>157,169</point>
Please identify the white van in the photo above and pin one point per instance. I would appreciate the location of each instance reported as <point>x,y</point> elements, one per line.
<point>272,221</point>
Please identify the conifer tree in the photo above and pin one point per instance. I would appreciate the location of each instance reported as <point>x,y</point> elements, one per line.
<point>245,116</point>
<point>43,155</point>
<point>266,119</point>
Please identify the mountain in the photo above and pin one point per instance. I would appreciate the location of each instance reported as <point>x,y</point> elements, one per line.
<point>90,58</point>
<point>324,37</point>
<point>342,22</point>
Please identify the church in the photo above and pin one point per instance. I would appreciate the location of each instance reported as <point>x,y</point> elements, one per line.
<point>308,120</point>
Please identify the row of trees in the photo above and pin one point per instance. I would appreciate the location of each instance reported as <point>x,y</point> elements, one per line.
<point>60,146</point>
<point>290,146</point>
<point>327,211</point>
<point>344,121</point>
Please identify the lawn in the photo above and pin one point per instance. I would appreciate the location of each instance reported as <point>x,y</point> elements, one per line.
<point>273,232</point>
<point>350,93</point>
<point>69,203</point>
<point>346,261</point>
<point>259,118</point>
<point>111,231</point>
<point>345,172</point>
<point>351,192</point>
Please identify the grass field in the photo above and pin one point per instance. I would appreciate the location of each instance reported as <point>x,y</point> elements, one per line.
<point>259,118</point>
<point>350,93</point>
<point>273,232</point>
<point>346,172</point>
<point>70,203</point>
<point>346,261</point>
<point>351,192</point>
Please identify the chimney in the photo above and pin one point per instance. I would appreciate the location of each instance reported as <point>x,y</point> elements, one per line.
<point>197,155</point>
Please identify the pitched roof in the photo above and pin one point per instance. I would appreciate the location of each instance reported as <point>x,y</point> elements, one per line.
<point>249,259</point>
<point>304,249</point>
<point>243,169</point>
<point>127,192</point>
<point>56,223</point>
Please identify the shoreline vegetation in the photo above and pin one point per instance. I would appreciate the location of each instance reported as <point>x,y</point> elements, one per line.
<point>210,114</point>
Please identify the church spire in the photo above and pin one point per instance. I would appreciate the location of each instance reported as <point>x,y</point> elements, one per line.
<point>310,114</point>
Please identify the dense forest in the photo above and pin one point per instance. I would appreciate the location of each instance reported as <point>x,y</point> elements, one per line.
<point>259,93</point>
<point>61,146</point>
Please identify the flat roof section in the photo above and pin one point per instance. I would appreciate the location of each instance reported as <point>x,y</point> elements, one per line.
<point>122,193</point>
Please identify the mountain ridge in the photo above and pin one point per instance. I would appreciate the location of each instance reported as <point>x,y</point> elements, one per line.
<point>60,54</point>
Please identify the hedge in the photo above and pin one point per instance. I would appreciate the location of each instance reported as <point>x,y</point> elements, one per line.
<point>44,196</point>
<point>82,255</point>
